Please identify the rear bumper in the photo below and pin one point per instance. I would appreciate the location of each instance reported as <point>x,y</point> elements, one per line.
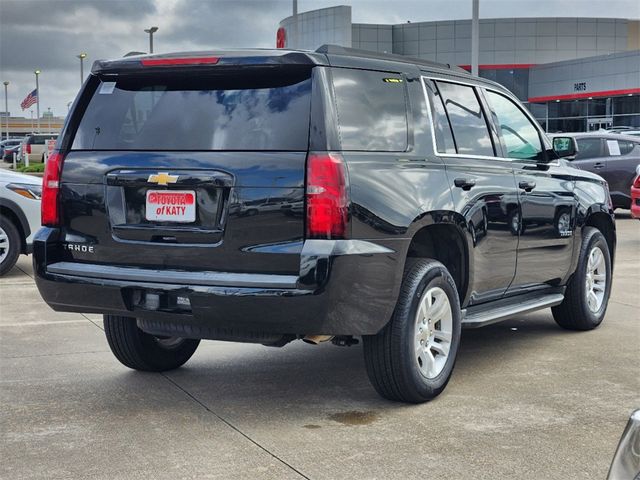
<point>344,287</point>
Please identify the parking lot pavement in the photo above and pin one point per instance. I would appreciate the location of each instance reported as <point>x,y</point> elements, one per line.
<point>527,400</point>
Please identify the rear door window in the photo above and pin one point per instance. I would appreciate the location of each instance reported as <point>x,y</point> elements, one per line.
<point>253,109</point>
<point>372,110</point>
<point>626,146</point>
<point>467,119</point>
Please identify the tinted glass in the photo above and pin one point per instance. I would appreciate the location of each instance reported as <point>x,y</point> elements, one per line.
<point>571,108</point>
<point>467,119</point>
<point>519,136</point>
<point>626,105</point>
<point>372,110</point>
<point>441,127</point>
<point>252,110</point>
<point>588,148</point>
<point>626,146</point>
<point>40,139</point>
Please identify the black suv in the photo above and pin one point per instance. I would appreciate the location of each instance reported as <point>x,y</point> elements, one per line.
<point>269,195</point>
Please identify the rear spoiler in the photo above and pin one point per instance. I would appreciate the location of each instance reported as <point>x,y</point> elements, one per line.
<point>208,60</point>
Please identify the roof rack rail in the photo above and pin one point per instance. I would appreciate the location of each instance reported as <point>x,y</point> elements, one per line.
<point>354,52</point>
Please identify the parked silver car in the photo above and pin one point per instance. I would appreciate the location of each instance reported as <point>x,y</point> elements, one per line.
<point>19,216</point>
<point>626,461</point>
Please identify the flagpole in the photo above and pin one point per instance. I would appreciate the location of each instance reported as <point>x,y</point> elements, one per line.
<point>6,105</point>
<point>37,72</point>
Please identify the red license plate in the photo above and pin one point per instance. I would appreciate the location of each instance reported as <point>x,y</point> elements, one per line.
<point>171,206</point>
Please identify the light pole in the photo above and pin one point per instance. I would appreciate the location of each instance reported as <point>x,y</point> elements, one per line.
<point>37,72</point>
<point>294,43</point>
<point>82,56</point>
<point>151,31</point>
<point>475,36</point>
<point>6,105</point>
<point>49,114</point>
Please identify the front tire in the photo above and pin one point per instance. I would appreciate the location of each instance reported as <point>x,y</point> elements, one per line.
<point>587,294</point>
<point>9,245</point>
<point>411,359</point>
<point>142,351</point>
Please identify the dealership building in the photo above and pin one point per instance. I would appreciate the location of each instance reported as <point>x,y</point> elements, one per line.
<point>574,74</point>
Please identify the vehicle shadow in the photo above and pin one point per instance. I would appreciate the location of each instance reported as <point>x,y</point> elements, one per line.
<point>264,382</point>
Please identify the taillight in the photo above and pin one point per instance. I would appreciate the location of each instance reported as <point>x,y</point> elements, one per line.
<point>50,203</point>
<point>327,197</point>
<point>636,182</point>
<point>165,62</point>
<point>28,148</point>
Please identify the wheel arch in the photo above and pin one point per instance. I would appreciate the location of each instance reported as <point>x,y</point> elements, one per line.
<point>603,221</point>
<point>441,236</point>
<point>11,211</point>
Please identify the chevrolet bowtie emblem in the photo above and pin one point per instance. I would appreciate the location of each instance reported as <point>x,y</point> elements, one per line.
<point>162,178</point>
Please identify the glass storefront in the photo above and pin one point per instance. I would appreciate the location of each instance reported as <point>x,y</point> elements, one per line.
<point>515,79</point>
<point>587,114</point>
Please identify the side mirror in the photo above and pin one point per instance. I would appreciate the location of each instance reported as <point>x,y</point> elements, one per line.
<point>565,147</point>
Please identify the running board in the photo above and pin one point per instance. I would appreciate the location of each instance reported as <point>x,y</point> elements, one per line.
<point>479,317</point>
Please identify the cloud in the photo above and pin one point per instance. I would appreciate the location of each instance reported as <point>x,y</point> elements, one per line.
<point>227,24</point>
<point>48,34</point>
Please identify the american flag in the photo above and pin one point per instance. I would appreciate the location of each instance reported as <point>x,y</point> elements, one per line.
<point>30,99</point>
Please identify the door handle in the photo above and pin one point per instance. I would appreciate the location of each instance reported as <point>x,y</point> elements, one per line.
<point>464,183</point>
<point>598,165</point>
<point>527,186</point>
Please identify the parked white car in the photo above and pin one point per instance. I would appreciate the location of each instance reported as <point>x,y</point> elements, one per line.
<point>19,216</point>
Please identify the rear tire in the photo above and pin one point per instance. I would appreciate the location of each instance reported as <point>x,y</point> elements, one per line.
<point>142,351</point>
<point>587,295</point>
<point>411,359</point>
<point>10,244</point>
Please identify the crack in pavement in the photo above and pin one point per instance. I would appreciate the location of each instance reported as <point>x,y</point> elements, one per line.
<point>233,427</point>
<point>223,420</point>
<point>99,327</point>
<point>53,354</point>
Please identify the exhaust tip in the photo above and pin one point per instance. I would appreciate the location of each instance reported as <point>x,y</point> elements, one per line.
<point>316,339</point>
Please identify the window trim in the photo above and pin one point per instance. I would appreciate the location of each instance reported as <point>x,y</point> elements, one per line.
<point>446,114</point>
<point>480,87</point>
<point>432,125</point>
<point>481,104</point>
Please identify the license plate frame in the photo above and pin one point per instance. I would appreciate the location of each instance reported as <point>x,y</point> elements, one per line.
<point>172,206</point>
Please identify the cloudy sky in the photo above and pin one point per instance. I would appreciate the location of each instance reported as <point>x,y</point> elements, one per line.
<point>48,34</point>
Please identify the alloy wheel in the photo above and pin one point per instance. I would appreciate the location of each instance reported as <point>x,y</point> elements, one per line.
<point>433,332</point>
<point>596,279</point>
<point>4,245</point>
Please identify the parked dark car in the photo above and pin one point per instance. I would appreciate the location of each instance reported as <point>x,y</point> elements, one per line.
<point>412,175</point>
<point>613,156</point>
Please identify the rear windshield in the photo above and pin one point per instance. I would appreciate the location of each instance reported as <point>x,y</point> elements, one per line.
<point>40,139</point>
<point>248,110</point>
